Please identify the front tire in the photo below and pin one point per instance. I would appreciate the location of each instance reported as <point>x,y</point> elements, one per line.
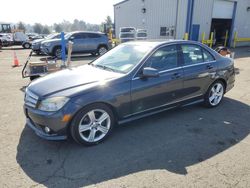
<point>215,94</point>
<point>57,52</point>
<point>92,124</point>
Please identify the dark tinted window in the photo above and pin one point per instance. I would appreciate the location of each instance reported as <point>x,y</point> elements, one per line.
<point>93,35</point>
<point>207,56</point>
<point>80,35</point>
<point>127,30</point>
<point>141,34</point>
<point>192,54</point>
<point>163,31</point>
<point>164,58</point>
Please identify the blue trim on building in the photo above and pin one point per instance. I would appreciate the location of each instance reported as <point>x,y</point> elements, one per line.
<point>232,25</point>
<point>188,16</point>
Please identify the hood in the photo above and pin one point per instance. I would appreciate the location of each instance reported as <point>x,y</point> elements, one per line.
<point>69,79</point>
<point>52,40</point>
<point>38,41</point>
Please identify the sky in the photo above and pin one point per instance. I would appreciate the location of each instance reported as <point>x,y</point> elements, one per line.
<point>55,11</point>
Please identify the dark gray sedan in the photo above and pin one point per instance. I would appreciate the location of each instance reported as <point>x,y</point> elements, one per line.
<point>131,81</point>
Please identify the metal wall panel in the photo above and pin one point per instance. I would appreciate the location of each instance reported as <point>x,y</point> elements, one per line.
<point>174,13</point>
<point>242,21</point>
<point>203,10</point>
<point>158,13</point>
<point>181,19</point>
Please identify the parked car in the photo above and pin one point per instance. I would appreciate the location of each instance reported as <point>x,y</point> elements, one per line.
<point>131,81</point>
<point>6,39</point>
<point>36,44</point>
<point>141,34</point>
<point>127,34</point>
<point>84,42</point>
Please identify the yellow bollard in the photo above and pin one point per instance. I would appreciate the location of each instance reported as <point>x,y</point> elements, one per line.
<point>186,36</point>
<point>203,38</point>
<point>110,34</point>
<point>226,37</point>
<point>235,38</point>
<point>211,39</point>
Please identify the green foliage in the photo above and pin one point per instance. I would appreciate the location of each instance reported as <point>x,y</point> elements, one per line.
<point>21,26</point>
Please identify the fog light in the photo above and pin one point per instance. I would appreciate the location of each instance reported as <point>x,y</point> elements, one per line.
<point>47,129</point>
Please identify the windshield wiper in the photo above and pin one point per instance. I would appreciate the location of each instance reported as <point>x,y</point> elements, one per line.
<point>107,68</point>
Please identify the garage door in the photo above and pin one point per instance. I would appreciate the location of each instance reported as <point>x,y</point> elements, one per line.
<point>223,9</point>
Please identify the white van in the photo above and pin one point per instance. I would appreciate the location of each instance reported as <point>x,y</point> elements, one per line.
<point>141,34</point>
<point>127,34</point>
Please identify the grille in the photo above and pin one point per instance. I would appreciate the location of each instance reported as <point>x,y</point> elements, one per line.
<point>30,99</point>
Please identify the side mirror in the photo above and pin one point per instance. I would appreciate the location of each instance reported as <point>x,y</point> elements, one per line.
<point>150,72</point>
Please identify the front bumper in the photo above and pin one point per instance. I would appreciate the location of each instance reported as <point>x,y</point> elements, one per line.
<point>35,47</point>
<point>39,132</point>
<point>45,50</point>
<point>38,120</point>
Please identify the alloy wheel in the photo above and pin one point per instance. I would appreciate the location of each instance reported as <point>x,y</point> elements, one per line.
<point>58,53</point>
<point>94,125</point>
<point>216,94</point>
<point>27,46</point>
<point>102,50</point>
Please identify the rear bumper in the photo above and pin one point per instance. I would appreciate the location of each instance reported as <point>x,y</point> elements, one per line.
<point>230,81</point>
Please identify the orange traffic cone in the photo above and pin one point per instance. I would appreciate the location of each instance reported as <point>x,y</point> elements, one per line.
<point>16,62</point>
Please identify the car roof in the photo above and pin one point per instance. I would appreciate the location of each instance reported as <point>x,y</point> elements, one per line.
<point>94,32</point>
<point>158,42</point>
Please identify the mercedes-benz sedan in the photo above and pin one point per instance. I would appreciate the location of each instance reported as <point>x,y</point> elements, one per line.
<point>131,81</point>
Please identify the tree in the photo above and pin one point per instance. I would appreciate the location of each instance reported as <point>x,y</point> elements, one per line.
<point>21,26</point>
<point>46,30</point>
<point>58,28</point>
<point>107,25</point>
<point>108,21</point>
<point>38,28</point>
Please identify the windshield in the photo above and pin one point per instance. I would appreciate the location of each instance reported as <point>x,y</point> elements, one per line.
<point>68,35</point>
<point>123,58</point>
<point>50,36</point>
<point>127,29</point>
<point>141,34</point>
<point>127,35</point>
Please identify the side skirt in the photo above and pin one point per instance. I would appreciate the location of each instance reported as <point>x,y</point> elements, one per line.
<point>161,109</point>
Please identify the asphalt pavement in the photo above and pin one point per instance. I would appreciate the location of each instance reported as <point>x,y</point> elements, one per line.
<point>185,147</point>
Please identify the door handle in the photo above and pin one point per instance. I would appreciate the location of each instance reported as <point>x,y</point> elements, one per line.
<point>176,75</point>
<point>210,66</point>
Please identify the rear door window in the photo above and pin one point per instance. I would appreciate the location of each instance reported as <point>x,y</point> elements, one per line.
<point>192,54</point>
<point>207,56</point>
<point>93,35</point>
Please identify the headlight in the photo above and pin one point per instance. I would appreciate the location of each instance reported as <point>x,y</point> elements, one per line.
<point>47,44</point>
<point>53,104</point>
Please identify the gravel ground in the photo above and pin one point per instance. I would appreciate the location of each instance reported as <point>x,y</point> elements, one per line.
<point>187,147</point>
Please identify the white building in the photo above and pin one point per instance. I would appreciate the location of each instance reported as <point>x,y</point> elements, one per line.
<point>174,18</point>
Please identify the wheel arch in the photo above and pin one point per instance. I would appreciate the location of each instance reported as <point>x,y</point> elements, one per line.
<point>223,81</point>
<point>112,108</point>
<point>102,45</point>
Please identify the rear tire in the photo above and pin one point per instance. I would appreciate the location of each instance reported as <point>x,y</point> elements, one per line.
<point>102,50</point>
<point>214,94</point>
<point>26,45</point>
<point>92,125</point>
